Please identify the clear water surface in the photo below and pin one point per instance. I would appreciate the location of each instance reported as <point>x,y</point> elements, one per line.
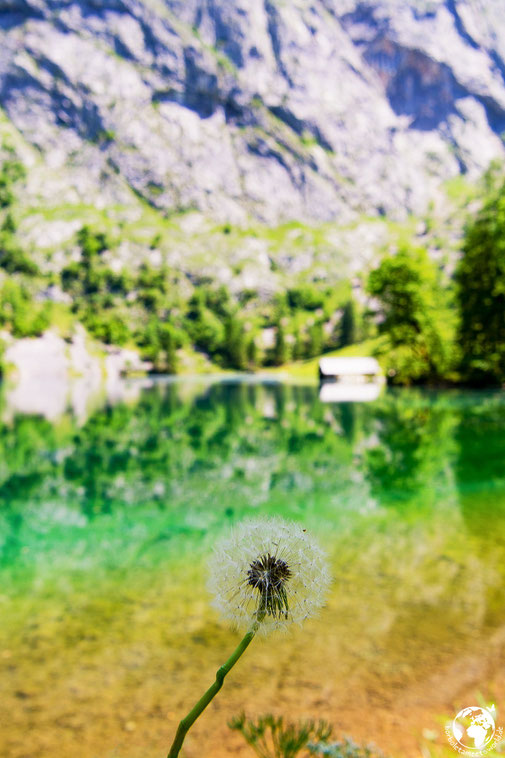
<point>106,634</point>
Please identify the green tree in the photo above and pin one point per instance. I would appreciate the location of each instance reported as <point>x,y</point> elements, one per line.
<point>280,352</point>
<point>90,276</point>
<point>203,326</point>
<point>12,258</point>
<point>91,242</point>
<point>219,301</point>
<point>2,351</point>
<point>106,325</point>
<point>152,289</point>
<point>304,298</point>
<point>349,324</point>
<point>315,342</point>
<point>298,347</point>
<point>168,343</point>
<point>415,317</point>
<point>159,341</point>
<point>11,172</point>
<point>252,352</point>
<point>481,294</point>
<point>234,344</point>
<point>19,314</point>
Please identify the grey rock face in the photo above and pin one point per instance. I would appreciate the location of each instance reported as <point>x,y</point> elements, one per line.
<point>284,110</point>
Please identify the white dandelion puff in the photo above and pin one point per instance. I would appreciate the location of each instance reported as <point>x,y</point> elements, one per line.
<point>268,571</point>
<point>265,576</point>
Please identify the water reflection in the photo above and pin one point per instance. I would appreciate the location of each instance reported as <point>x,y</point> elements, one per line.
<point>52,395</point>
<point>349,392</point>
<point>258,442</point>
<point>104,528</point>
<point>264,440</point>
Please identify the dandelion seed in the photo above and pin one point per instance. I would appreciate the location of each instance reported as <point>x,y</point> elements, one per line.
<point>267,575</point>
<point>268,570</point>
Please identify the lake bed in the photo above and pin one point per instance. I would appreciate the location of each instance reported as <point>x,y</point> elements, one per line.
<point>107,636</point>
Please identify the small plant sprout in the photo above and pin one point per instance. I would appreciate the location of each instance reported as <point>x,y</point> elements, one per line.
<point>265,576</point>
<point>271,737</point>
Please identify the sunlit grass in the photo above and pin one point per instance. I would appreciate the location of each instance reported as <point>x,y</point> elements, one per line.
<point>308,370</point>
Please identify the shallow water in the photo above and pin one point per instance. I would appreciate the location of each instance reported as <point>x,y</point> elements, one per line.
<point>107,637</point>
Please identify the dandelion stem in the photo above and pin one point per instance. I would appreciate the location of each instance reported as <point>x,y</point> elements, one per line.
<point>200,706</point>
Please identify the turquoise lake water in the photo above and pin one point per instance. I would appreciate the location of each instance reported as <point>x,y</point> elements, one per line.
<point>107,636</point>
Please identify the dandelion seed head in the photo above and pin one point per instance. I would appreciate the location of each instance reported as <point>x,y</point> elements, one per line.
<point>270,570</point>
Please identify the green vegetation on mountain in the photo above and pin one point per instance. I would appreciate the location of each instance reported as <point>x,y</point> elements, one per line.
<point>425,325</point>
<point>20,313</point>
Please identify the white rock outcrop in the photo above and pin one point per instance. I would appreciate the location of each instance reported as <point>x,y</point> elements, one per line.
<point>49,376</point>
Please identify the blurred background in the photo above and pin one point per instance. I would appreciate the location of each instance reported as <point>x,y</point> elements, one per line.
<point>199,201</point>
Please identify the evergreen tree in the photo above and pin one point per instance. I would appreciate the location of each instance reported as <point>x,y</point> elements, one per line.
<point>481,294</point>
<point>234,344</point>
<point>168,343</point>
<point>160,343</point>
<point>349,324</point>
<point>315,342</point>
<point>204,327</point>
<point>280,354</point>
<point>252,353</point>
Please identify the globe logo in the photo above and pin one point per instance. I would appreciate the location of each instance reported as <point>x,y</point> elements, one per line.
<point>473,727</point>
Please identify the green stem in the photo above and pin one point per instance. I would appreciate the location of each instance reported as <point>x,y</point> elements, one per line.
<point>192,716</point>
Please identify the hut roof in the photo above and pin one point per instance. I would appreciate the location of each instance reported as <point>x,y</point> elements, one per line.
<point>349,367</point>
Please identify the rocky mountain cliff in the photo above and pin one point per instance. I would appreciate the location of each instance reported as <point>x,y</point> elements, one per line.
<point>315,110</point>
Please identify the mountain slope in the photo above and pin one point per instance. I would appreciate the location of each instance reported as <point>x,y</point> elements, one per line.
<point>316,111</point>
